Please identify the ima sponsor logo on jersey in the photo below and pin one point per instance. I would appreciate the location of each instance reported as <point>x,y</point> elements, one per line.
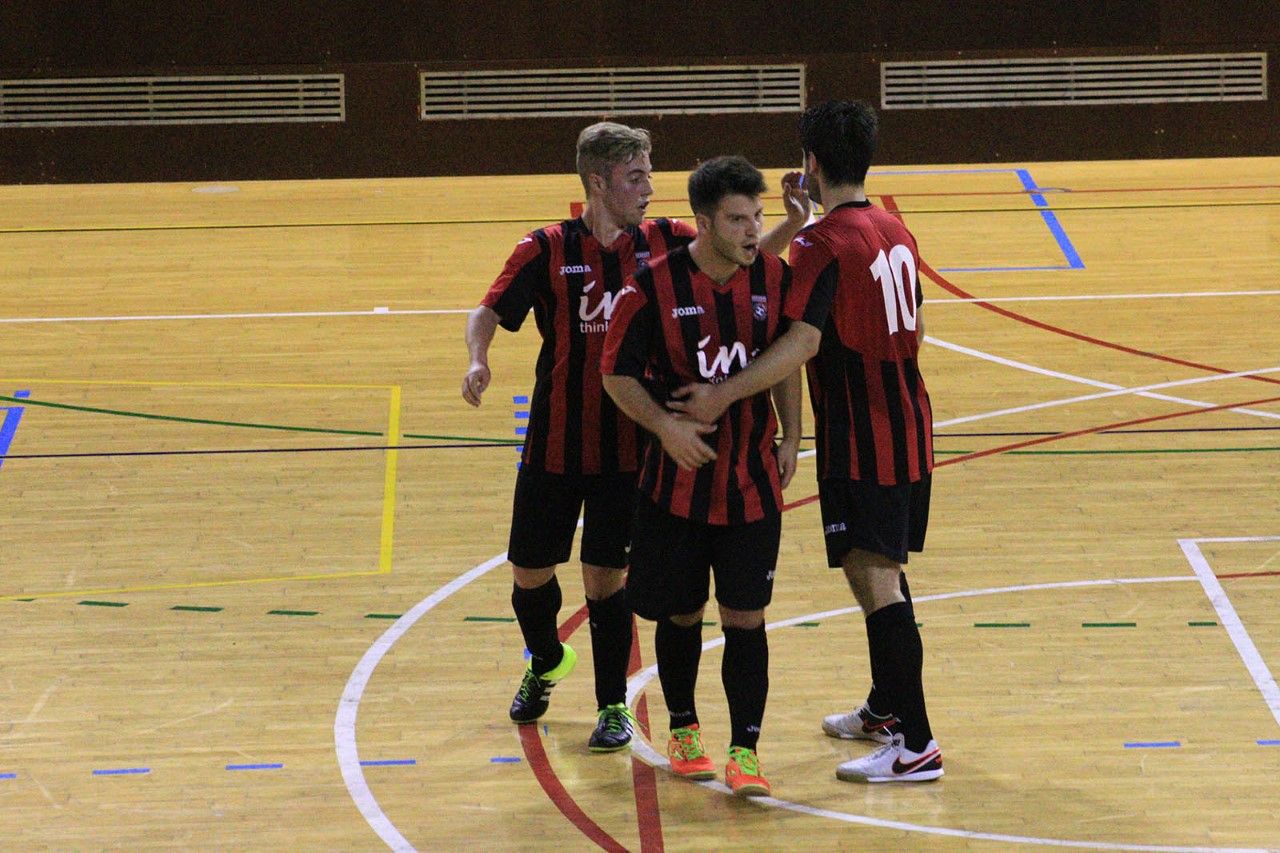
<point>723,362</point>
<point>596,320</point>
<point>802,241</point>
<point>832,529</point>
<point>576,268</point>
<point>687,311</point>
<point>760,307</point>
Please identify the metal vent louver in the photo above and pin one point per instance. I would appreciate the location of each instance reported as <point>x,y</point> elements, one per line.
<point>1073,81</point>
<point>90,101</point>
<point>612,91</point>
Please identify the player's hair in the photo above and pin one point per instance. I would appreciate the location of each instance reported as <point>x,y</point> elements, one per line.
<point>605,144</point>
<point>842,136</point>
<point>720,177</point>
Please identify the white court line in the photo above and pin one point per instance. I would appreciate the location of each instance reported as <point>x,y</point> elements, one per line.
<point>344,725</point>
<point>1231,620</point>
<point>274,315</point>
<point>1097,297</point>
<point>1113,389</point>
<point>646,753</point>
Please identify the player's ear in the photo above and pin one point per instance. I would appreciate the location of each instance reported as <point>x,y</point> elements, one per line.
<point>598,182</point>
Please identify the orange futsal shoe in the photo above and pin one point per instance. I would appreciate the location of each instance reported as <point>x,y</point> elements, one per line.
<point>743,774</point>
<point>688,758</point>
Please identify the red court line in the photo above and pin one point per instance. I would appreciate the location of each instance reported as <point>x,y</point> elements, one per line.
<point>1249,575</point>
<point>1004,448</point>
<point>550,783</point>
<point>891,206</point>
<point>546,775</point>
<point>1041,191</point>
<point>644,779</point>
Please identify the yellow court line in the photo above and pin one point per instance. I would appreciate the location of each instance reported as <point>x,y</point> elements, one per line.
<point>192,585</point>
<point>156,383</point>
<point>388,490</point>
<point>389,483</point>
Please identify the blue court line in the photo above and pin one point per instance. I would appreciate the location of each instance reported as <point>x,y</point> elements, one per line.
<point>390,762</point>
<point>504,759</point>
<point>254,766</point>
<point>520,399</point>
<point>1269,743</point>
<point>522,430</point>
<point>9,428</point>
<point>123,771</point>
<point>8,775</point>
<point>1051,219</point>
<point>1154,744</point>
<point>522,416</point>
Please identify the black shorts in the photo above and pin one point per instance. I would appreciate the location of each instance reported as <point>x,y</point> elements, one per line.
<point>544,518</point>
<point>672,559</point>
<point>887,520</point>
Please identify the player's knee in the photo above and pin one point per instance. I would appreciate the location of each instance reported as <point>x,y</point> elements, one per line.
<point>599,582</point>
<point>747,620</point>
<point>532,578</point>
<point>687,620</point>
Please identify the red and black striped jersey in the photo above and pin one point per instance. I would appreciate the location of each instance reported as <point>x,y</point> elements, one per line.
<point>571,281</point>
<point>856,280</point>
<point>676,325</point>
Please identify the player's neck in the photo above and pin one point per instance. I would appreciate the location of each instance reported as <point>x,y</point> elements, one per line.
<point>601,224</point>
<point>834,196</point>
<point>713,264</point>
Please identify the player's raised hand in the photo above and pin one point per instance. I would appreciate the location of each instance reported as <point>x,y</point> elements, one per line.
<point>795,198</point>
<point>475,383</point>
<point>682,440</point>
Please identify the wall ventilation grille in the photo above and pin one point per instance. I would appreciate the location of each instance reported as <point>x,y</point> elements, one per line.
<point>91,101</point>
<point>612,91</point>
<point>1073,81</point>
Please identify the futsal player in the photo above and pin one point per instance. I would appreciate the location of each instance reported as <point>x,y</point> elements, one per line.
<point>710,492</point>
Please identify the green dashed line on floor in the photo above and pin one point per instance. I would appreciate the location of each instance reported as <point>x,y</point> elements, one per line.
<point>191,608</point>
<point>807,624</point>
<point>1108,624</point>
<point>103,603</point>
<point>383,615</point>
<point>489,619</point>
<point>1002,624</point>
<point>293,612</point>
<point>1203,624</point>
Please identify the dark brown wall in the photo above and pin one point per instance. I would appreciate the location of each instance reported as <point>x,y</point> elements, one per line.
<point>380,47</point>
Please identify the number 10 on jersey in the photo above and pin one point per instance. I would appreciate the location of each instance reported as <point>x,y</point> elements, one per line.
<point>897,276</point>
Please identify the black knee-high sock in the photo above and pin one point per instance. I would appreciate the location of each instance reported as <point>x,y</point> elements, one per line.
<point>897,659</point>
<point>876,700</point>
<point>745,673</point>
<point>536,610</point>
<point>610,647</point>
<point>678,651</point>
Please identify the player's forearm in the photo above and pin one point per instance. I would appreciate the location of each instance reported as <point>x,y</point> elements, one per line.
<point>782,358</point>
<point>482,323</point>
<point>781,235</point>
<point>634,401</point>
<point>786,398</point>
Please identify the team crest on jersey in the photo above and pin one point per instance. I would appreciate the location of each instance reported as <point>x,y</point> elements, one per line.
<point>802,241</point>
<point>760,307</point>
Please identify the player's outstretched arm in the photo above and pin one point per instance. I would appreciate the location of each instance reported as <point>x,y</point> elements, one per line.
<point>681,437</point>
<point>481,325</point>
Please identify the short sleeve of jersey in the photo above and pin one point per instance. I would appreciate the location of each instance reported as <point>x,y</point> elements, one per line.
<point>514,291</point>
<point>680,228</point>
<point>812,288</point>
<point>626,344</point>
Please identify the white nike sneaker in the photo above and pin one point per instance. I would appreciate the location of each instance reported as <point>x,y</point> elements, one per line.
<point>859,724</point>
<point>893,762</point>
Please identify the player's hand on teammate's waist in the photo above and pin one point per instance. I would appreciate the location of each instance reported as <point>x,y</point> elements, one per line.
<point>698,400</point>
<point>681,438</point>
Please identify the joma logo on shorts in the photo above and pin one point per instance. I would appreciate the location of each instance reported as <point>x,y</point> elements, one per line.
<point>834,528</point>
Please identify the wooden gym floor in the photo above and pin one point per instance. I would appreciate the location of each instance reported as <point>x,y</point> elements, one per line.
<point>254,593</point>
